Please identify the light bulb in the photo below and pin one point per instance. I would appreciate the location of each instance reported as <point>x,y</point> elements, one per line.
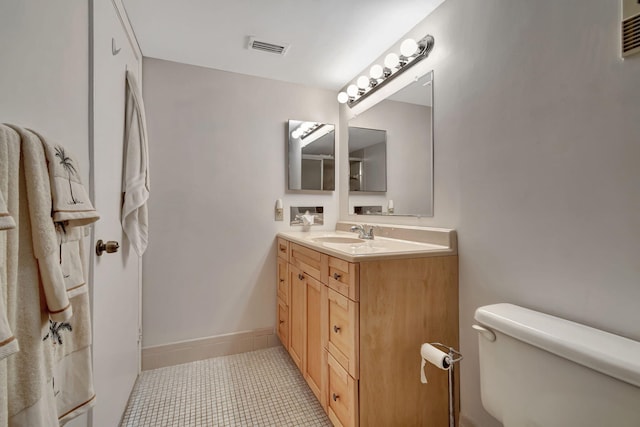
<point>343,97</point>
<point>408,48</point>
<point>376,71</point>
<point>352,90</point>
<point>391,61</point>
<point>363,82</point>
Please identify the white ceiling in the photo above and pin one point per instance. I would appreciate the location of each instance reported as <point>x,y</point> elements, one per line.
<point>331,40</point>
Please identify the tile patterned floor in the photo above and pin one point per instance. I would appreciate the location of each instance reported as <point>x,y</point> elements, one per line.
<point>260,388</point>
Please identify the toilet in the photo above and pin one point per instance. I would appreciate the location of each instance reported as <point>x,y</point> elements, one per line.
<point>541,370</point>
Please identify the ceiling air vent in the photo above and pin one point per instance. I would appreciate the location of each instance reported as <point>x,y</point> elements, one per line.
<point>630,27</point>
<point>264,46</point>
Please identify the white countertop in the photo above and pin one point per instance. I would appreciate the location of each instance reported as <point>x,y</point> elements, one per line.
<point>372,250</point>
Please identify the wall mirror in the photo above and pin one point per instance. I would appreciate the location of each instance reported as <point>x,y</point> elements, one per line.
<point>310,156</point>
<point>367,160</point>
<point>399,157</point>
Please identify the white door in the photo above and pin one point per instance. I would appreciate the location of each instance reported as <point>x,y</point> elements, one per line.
<point>116,281</point>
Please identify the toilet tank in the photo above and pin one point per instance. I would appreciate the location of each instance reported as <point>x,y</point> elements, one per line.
<point>541,370</point>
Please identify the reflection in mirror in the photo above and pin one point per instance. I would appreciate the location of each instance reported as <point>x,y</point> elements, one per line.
<point>405,118</point>
<point>311,156</point>
<point>367,159</point>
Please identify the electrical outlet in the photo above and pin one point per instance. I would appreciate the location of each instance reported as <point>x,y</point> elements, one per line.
<point>279,214</point>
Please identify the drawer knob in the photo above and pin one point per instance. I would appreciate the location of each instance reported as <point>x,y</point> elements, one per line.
<point>336,328</point>
<point>283,248</point>
<point>300,276</point>
<point>335,397</point>
<point>281,280</point>
<point>281,322</point>
<point>337,276</point>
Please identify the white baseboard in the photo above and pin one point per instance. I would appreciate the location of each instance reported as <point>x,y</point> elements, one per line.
<point>206,348</point>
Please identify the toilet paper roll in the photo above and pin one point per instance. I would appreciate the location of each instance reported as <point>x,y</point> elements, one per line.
<point>434,356</point>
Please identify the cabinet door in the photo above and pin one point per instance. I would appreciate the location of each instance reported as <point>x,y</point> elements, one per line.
<point>315,360</point>
<point>283,323</point>
<point>297,315</point>
<point>283,281</point>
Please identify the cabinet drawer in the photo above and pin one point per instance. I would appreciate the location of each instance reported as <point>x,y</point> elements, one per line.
<point>344,278</point>
<point>343,331</point>
<point>283,280</point>
<point>342,396</point>
<point>309,261</point>
<point>283,323</point>
<point>283,248</point>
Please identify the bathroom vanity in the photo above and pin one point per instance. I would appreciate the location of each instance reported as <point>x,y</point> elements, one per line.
<point>353,314</point>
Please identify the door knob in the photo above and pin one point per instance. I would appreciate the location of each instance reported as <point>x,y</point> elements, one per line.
<point>109,247</point>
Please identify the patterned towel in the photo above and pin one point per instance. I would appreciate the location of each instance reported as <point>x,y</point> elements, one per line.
<point>70,199</point>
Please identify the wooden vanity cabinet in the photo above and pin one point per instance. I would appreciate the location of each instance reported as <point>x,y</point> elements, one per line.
<point>307,309</point>
<point>315,360</point>
<point>298,316</point>
<point>404,303</point>
<point>282,313</point>
<point>355,331</point>
<point>343,331</point>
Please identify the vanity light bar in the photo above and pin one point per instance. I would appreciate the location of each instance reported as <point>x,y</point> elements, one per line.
<point>305,129</point>
<point>411,52</point>
<point>315,134</point>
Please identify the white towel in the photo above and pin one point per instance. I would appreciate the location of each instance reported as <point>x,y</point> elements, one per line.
<point>71,340</point>
<point>8,342</point>
<point>50,380</point>
<point>73,376</point>
<point>29,398</point>
<point>6,220</point>
<point>73,373</point>
<point>136,169</point>
<point>45,240</point>
<point>70,239</point>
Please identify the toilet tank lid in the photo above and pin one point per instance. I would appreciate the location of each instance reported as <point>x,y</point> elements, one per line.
<point>610,354</point>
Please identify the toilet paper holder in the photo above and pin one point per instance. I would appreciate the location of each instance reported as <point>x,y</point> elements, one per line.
<point>454,356</point>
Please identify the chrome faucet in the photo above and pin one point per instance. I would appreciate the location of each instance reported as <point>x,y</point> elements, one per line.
<point>362,233</point>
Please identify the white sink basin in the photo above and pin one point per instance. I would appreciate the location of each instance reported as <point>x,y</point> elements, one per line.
<point>337,239</point>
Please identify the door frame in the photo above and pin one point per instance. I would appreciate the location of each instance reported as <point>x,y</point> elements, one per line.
<point>121,13</point>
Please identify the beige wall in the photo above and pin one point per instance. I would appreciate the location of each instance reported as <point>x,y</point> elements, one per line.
<point>217,164</point>
<point>537,130</point>
<point>44,75</point>
<point>44,51</point>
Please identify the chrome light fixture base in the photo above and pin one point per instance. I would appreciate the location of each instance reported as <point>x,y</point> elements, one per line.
<point>425,46</point>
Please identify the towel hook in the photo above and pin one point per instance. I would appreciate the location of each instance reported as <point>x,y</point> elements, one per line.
<point>114,49</point>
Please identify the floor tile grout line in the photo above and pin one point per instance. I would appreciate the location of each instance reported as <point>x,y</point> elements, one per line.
<point>226,391</point>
